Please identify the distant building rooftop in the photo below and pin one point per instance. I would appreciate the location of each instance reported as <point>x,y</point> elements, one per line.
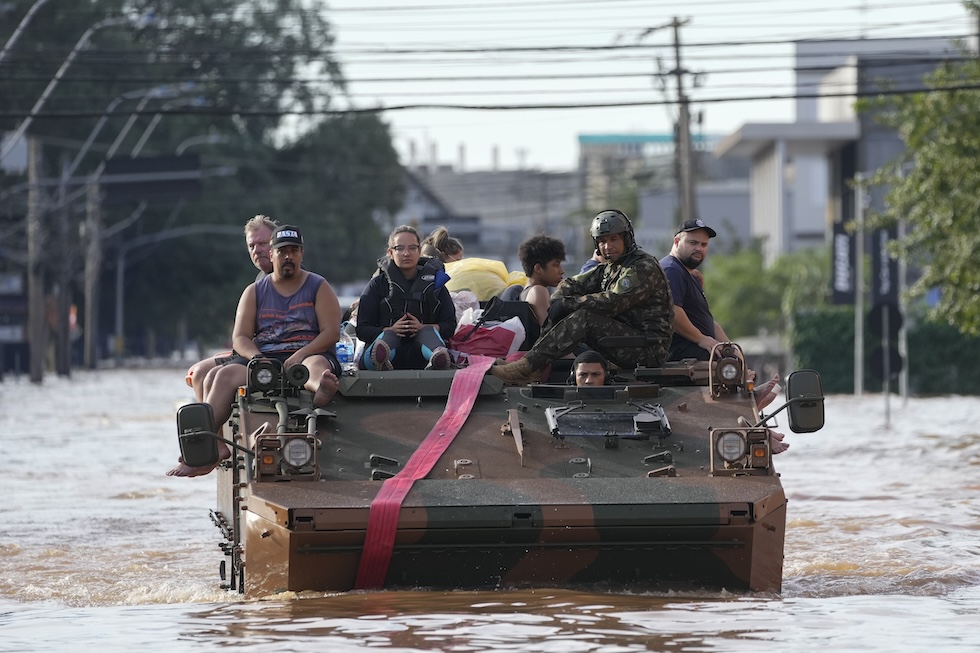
<point>752,138</point>
<point>639,139</point>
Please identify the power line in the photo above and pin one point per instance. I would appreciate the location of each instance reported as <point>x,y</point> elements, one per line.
<point>229,111</point>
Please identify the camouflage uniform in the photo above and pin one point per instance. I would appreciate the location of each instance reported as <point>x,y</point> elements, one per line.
<point>628,298</point>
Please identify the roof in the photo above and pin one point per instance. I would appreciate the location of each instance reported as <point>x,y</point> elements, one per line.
<point>751,138</point>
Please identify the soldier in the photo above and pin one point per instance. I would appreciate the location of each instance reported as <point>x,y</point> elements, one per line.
<point>627,295</point>
<point>590,369</point>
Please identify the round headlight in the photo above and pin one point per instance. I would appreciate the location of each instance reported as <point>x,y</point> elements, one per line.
<point>264,376</point>
<point>730,446</point>
<point>729,370</point>
<point>297,452</point>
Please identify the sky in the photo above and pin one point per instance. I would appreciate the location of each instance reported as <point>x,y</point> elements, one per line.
<point>554,55</point>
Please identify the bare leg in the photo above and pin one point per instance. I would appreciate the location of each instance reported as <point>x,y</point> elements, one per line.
<point>323,382</point>
<point>209,380</point>
<point>766,393</point>
<point>197,373</point>
<point>227,378</point>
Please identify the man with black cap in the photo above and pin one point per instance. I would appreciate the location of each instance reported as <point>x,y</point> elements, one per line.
<point>292,315</point>
<point>695,329</point>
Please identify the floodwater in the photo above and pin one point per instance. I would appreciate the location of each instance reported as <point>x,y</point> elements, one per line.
<point>99,550</point>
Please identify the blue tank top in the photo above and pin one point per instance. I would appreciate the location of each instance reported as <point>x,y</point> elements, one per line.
<point>286,323</point>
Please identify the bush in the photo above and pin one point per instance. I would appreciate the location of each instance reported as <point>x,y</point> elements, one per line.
<point>941,360</point>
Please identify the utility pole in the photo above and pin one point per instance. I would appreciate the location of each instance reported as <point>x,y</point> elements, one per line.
<point>685,166</point>
<point>93,265</point>
<point>37,328</point>
<point>859,285</point>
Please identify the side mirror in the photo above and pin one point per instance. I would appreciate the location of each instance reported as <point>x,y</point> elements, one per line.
<point>195,433</point>
<point>805,403</point>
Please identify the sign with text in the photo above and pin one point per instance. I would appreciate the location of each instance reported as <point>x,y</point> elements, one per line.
<point>842,265</point>
<point>884,267</point>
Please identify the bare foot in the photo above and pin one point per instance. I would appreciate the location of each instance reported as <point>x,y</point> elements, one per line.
<point>767,392</point>
<point>776,444</point>
<point>326,389</point>
<point>186,471</point>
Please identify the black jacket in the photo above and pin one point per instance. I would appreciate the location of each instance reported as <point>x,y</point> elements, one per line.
<point>389,295</point>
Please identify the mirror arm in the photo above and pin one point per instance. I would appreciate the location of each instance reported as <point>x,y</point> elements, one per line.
<point>232,444</point>
<point>794,400</point>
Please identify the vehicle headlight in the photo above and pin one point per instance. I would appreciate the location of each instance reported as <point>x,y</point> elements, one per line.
<point>297,452</point>
<point>263,375</point>
<point>730,446</point>
<point>729,371</point>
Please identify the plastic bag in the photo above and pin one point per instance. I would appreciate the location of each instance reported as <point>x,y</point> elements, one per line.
<point>484,277</point>
<point>491,339</point>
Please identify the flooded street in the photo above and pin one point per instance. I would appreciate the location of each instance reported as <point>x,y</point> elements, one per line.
<point>100,550</point>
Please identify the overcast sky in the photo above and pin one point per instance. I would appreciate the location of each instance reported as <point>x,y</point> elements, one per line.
<point>505,53</point>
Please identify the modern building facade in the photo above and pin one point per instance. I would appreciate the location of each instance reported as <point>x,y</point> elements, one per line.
<point>802,172</point>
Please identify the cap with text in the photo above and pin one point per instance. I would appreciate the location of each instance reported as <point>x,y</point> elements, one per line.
<point>286,235</point>
<point>694,225</point>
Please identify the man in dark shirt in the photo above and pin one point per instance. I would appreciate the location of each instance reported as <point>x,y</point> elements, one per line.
<point>695,329</point>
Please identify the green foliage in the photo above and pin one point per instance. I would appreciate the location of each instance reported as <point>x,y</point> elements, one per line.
<point>338,177</point>
<point>259,69</point>
<point>940,359</point>
<point>823,340</point>
<point>747,299</point>
<point>741,300</point>
<point>932,187</point>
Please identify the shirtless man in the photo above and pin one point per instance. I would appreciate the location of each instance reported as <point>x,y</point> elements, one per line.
<point>258,233</point>
<point>541,258</point>
<point>292,315</point>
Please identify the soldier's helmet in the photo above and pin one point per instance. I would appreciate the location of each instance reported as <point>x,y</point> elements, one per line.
<point>612,221</point>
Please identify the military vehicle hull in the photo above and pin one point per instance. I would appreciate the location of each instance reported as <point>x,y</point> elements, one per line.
<point>544,485</point>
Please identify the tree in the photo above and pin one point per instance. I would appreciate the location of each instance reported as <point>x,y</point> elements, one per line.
<point>263,76</point>
<point>932,187</point>
<point>748,299</point>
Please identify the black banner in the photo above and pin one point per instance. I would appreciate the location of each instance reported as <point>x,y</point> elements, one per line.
<point>842,266</point>
<point>884,268</point>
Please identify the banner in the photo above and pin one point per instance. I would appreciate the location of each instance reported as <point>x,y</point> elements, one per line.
<point>842,266</point>
<point>884,268</point>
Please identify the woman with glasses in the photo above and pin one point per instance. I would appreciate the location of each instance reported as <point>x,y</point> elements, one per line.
<point>405,311</point>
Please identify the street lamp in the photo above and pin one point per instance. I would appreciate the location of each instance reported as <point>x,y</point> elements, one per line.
<point>176,232</point>
<point>155,92</point>
<point>105,22</point>
<point>209,139</point>
<point>192,101</point>
<point>20,27</point>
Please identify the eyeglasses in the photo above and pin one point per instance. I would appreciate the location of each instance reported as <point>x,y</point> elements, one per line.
<point>411,249</point>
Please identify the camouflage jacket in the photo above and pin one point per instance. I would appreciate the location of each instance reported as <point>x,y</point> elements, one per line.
<point>634,290</point>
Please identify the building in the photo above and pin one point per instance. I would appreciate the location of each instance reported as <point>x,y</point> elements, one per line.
<point>802,171</point>
<point>493,211</point>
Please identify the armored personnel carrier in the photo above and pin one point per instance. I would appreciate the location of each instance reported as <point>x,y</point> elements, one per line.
<point>662,479</point>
